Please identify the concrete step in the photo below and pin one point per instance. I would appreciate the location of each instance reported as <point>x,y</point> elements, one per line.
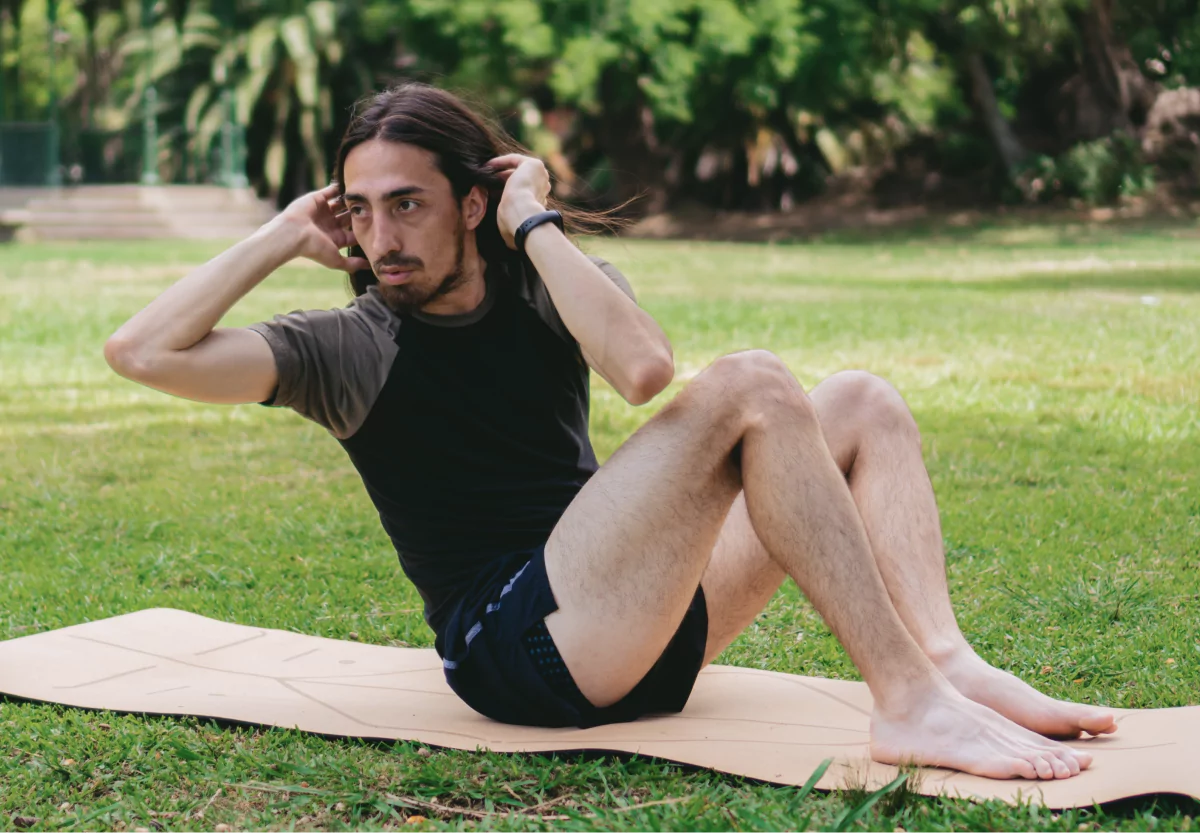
<point>140,205</point>
<point>142,212</point>
<point>174,201</point>
<point>48,217</point>
<point>11,198</point>
<point>41,233</point>
<point>132,190</point>
<point>175,197</point>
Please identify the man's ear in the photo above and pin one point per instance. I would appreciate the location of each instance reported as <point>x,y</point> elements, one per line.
<point>474,207</point>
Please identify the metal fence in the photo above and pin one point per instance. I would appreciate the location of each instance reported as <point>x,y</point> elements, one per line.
<point>38,153</point>
<point>26,151</point>
<point>94,157</point>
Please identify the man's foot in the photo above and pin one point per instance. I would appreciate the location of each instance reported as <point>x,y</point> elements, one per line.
<point>1020,702</point>
<point>945,729</point>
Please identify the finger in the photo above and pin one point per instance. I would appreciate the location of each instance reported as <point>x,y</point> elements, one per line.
<point>344,239</point>
<point>330,191</point>
<point>354,264</point>
<point>508,160</point>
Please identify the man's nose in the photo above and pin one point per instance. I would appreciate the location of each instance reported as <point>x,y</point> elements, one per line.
<point>386,238</point>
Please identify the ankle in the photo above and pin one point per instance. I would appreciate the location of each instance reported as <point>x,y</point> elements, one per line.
<point>948,653</point>
<point>903,695</point>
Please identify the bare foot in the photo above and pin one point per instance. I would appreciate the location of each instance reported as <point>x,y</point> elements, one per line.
<point>1020,702</point>
<point>943,728</point>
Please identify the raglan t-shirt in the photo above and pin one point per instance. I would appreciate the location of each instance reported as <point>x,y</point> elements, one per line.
<point>470,431</point>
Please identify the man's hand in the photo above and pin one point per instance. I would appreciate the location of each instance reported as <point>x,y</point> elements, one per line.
<point>526,187</point>
<point>322,226</point>
<point>619,340</point>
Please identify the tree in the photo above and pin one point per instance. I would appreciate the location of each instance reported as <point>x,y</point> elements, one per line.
<point>734,103</point>
<point>652,84</point>
<point>274,71</point>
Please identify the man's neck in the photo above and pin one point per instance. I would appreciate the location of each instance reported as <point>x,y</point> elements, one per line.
<point>468,295</point>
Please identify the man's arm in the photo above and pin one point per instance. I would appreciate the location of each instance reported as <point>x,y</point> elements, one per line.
<point>619,339</point>
<point>171,344</point>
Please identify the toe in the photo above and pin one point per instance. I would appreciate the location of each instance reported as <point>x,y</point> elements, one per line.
<point>1022,768</point>
<point>1099,723</point>
<point>1084,758</point>
<point>1071,760</point>
<point>1061,770</point>
<point>1041,765</point>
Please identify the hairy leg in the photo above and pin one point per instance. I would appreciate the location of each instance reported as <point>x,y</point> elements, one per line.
<point>739,581</point>
<point>874,441</point>
<point>628,554</point>
<point>895,498</point>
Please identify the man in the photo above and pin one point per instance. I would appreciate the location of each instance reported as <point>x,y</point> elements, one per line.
<point>561,594</point>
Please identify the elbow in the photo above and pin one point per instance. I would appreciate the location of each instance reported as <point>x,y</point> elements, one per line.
<point>124,356</point>
<point>651,379</point>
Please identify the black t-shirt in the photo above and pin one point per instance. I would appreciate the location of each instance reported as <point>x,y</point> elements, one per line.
<point>470,431</point>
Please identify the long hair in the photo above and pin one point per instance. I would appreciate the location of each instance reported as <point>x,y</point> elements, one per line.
<point>462,142</point>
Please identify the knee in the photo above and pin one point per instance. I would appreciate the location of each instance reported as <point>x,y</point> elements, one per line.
<point>872,403</point>
<point>752,385</point>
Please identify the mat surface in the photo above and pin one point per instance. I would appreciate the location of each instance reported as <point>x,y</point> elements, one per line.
<point>762,724</point>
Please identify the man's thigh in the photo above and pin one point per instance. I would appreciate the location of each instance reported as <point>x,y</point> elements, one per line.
<point>626,558</point>
<point>740,580</point>
<point>662,515</point>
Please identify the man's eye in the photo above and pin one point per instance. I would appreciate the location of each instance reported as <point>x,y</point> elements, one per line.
<point>407,205</point>
<point>356,211</point>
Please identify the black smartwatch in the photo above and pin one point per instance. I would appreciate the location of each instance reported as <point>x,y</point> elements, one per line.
<point>533,222</point>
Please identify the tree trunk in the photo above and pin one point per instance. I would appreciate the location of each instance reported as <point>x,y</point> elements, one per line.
<point>1100,64</point>
<point>1109,93</point>
<point>813,167</point>
<point>1007,145</point>
<point>625,133</point>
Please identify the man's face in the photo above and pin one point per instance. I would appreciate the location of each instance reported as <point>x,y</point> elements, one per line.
<point>407,220</point>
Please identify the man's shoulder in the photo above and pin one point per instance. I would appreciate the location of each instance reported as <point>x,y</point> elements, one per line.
<point>363,328</point>
<point>333,363</point>
<point>373,312</point>
<point>366,316</point>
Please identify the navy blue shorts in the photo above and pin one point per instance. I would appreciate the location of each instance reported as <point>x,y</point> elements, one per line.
<point>499,657</point>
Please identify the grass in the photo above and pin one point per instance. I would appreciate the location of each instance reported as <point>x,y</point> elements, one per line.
<point>1053,372</point>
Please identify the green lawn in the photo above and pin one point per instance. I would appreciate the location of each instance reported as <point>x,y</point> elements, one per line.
<point>1053,372</point>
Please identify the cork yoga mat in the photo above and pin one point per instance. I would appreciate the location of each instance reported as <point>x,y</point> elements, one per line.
<point>760,724</point>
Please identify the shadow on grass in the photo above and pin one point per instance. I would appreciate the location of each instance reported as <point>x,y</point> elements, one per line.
<point>1018,231</point>
<point>1133,281</point>
<point>1169,280</point>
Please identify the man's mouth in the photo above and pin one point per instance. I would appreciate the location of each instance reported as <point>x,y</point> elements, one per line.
<point>395,276</point>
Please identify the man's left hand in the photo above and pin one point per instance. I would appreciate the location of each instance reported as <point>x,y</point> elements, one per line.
<point>526,187</point>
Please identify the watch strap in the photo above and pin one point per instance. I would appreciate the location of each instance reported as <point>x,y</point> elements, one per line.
<point>550,216</point>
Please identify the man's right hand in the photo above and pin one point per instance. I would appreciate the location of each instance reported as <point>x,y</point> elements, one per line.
<point>323,229</point>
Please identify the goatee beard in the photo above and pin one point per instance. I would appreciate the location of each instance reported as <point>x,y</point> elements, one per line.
<point>405,300</point>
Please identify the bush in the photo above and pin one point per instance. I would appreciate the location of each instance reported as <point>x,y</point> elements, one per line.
<point>1099,172</point>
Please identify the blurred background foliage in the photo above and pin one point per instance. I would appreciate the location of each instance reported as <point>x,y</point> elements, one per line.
<point>732,104</point>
